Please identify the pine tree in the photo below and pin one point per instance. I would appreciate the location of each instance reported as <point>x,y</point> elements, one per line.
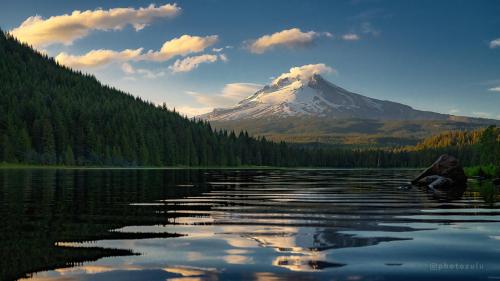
<point>69,158</point>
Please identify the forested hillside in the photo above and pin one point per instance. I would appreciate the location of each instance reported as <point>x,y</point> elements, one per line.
<point>477,147</point>
<point>452,138</point>
<point>50,114</point>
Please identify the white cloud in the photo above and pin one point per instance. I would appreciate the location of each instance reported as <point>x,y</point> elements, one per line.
<point>150,74</point>
<point>305,72</point>
<point>146,73</point>
<point>190,111</point>
<point>127,68</point>
<point>191,63</point>
<point>290,38</point>
<point>97,57</point>
<point>368,28</point>
<point>350,37</point>
<point>67,28</point>
<point>218,50</point>
<point>494,89</point>
<point>181,46</point>
<point>328,34</point>
<point>454,111</point>
<point>223,58</point>
<point>495,43</point>
<point>129,78</point>
<point>239,91</point>
<point>230,95</point>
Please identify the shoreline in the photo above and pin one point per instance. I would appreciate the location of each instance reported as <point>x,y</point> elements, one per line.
<point>470,171</point>
<point>5,166</point>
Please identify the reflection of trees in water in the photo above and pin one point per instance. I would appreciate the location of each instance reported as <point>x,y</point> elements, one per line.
<point>485,190</point>
<point>42,207</point>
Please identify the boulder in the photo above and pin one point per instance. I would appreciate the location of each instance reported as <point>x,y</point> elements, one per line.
<point>445,173</point>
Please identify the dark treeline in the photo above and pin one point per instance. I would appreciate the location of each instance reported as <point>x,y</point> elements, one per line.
<point>50,114</point>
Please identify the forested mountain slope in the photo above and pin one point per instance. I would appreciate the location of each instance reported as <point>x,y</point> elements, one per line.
<point>51,114</point>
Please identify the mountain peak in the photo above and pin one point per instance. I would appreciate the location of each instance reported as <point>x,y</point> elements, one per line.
<point>304,92</point>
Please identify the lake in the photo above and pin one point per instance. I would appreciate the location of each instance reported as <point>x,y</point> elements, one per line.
<point>157,224</point>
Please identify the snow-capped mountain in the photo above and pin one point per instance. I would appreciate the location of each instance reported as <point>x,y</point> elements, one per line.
<point>308,94</point>
<point>301,106</point>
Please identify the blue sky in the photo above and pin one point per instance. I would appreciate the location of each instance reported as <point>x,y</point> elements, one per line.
<point>433,55</point>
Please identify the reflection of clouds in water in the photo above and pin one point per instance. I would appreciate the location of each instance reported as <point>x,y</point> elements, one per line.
<point>186,279</point>
<point>184,273</point>
<point>237,251</point>
<point>293,240</point>
<point>275,237</point>
<point>189,271</point>
<point>92,269</point>
<point>50,278</point>
<point>194,256</point>
<point>240,242</point>
<point>266,276</point>
<point>190,220</point>
<point>281,239</point>
<point>286,243</point>
<point>238,259</point>
<point>297,263</point>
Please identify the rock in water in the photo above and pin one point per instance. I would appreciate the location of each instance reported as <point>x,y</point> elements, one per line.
<point>445,173</point>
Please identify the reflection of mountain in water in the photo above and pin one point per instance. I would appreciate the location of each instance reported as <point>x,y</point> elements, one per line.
<point>305,218</point>
<point>306,246</point>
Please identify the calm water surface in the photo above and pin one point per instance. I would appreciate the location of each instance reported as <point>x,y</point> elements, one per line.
<point>248,224</point>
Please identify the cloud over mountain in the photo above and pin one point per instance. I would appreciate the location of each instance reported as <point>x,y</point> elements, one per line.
<point>304,72</point>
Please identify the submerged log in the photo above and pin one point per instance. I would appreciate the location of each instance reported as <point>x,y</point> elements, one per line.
<point>444,174</point>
